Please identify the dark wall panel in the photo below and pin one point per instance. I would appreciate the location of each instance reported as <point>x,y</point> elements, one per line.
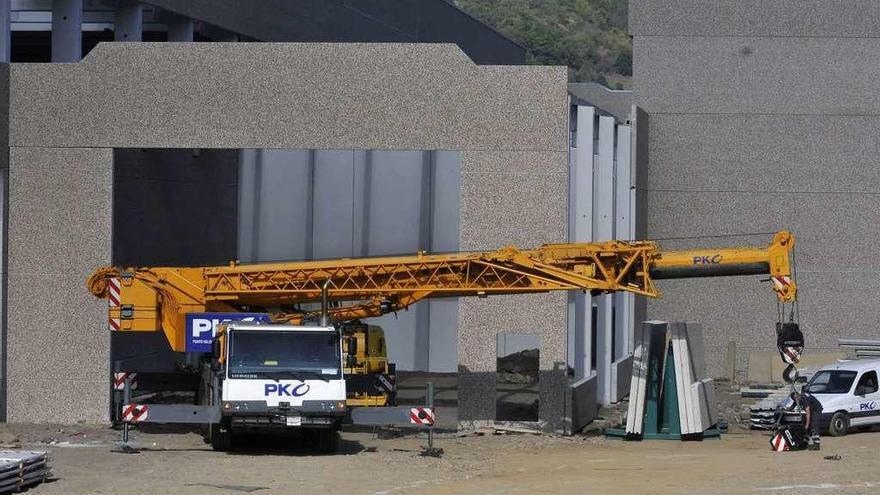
<point>367,21</point>
<point>174,206</point>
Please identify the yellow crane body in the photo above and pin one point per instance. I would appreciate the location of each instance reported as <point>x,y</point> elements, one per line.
<point>149,299</point>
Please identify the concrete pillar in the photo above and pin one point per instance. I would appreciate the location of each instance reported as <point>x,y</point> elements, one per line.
<point>581,230</point>
<point>129,23</point>
<point>623,301</point>
<point>66,31</point>
<point>5,40</point>
<point>603,230</point>
<point>180,28</point>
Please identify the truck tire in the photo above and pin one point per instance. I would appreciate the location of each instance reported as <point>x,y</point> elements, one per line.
<point>221,438</point>
<point>328,441</point>
<point>839,424</point>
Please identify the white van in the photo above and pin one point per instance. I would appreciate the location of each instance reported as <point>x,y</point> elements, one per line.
<point>848,392</point>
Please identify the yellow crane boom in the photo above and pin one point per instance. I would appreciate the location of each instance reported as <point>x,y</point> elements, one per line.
<point>158,298</point>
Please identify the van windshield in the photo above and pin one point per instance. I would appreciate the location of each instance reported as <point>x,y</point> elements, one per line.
<point>831,382</point>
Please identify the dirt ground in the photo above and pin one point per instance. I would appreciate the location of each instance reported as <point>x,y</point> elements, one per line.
<point>180,463</point>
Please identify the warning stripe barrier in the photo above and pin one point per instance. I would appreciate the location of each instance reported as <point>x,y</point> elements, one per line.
<point>421,416</point>
<point>135,413</point>
<point>114,299</point>
<point>119,380</point>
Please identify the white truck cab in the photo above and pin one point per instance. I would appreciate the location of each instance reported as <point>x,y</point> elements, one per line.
<point>279,377</point>
<point>849,394</point>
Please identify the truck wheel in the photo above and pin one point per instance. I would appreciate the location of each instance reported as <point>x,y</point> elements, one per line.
<point>328,441</point>
<point>839,424</point>
<point>221,441</point>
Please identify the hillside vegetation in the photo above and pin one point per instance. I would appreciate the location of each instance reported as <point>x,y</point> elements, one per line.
<point>589,36</point>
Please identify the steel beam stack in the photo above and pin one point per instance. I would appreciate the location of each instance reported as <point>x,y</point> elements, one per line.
<point>22,469</point>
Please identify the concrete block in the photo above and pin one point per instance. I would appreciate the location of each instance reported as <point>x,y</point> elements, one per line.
<point>780,18</point>
<point>755,75</point>
<point>703,400</point>
<point>312,96</point>
<point>59,230</point>
<point>584,407</point>
<point>730,361</point>
<point>621,377</point>
<point>479,320</point>
<point>761,367</point>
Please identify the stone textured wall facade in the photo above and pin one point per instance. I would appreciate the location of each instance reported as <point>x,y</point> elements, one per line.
<point>764,116</point>
<point>510,123</point>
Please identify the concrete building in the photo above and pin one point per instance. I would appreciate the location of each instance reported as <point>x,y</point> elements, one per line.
<point>182,153</point>
<point>763,116</point>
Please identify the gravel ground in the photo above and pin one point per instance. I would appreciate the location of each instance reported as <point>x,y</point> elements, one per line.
<point>180,463</point>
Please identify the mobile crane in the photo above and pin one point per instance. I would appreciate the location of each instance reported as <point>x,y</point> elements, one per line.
<point>253,370</point>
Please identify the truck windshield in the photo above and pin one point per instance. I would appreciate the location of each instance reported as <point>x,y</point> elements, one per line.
<point>831,382</point>
<point>284,354</point>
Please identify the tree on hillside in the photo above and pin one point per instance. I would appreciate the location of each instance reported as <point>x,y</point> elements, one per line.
<point>589,36</point>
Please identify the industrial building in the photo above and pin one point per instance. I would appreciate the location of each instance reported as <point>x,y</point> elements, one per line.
<point>323,131</point>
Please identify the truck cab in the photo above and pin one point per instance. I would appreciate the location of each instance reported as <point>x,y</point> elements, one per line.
<point>277,377</point>
<point>849,394</point>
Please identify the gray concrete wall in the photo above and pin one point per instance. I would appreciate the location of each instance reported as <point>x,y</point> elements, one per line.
<point>764,116</point>
<point>509,123</point>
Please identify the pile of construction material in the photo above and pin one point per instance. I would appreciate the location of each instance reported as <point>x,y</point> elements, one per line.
<point>663,349</point>
<point>22,469</point>
<point>861,348</point>
<point>765,414</point>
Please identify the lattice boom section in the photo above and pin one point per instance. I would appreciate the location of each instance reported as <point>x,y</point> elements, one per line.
<point>514,272</point>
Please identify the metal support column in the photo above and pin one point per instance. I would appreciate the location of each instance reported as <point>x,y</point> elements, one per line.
<point>604,231</point>
<point>66,31</point>
<point>129,23</point>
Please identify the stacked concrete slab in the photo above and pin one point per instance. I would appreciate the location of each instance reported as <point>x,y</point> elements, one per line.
<point>508,123</point>
<point>695,392</point>
<point>764,116</point>
<point>651,335</point>
<point>20,469</point>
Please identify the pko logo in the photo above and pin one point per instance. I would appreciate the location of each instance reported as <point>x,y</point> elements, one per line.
<point>707,260</point>
<point>201,328</point>
<point>867,406</point>
<point>288,389</point>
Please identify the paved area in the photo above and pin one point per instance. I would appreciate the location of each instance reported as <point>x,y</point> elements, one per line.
<point>180,463</point>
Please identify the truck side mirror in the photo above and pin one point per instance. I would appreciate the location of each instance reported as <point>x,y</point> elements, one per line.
<point>215,348</point>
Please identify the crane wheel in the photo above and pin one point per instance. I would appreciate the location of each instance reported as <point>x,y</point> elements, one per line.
<point>221,438</point>
<point>328,441</point>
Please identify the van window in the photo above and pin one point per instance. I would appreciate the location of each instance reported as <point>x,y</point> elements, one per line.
<point>867,383</point>
<point>831,382</point>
